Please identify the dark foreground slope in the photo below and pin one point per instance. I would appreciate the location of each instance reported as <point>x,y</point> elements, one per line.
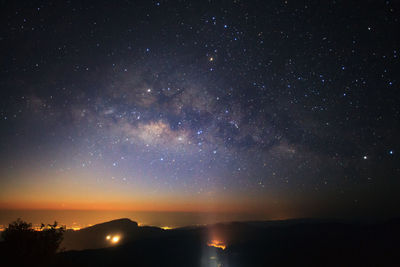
<point>282,243</point>
<point>285,243</point>
<point>169,249</point>
<point>316,244</point>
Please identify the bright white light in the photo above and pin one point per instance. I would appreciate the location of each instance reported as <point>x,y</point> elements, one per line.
<point>108,237</point>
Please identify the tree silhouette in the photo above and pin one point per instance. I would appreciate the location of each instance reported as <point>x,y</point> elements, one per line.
<point>23,245</point>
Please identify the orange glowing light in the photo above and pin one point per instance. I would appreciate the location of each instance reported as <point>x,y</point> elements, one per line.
<point>115,239</point>
<point>108,237</point>
<point>217,244</point>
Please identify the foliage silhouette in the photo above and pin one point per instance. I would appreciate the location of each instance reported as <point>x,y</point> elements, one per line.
<point>24,246</point>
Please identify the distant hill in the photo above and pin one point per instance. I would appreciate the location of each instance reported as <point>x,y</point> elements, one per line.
<point>102,235</point>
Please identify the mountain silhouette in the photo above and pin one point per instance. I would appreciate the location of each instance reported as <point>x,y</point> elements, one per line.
<point>96,236</point>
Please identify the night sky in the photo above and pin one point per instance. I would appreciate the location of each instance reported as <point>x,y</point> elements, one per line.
<point>280,108</point>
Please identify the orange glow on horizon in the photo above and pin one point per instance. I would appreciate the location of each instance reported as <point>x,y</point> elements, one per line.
<point>77,191</point>
<point>147,205</point>
<point>161,203</point>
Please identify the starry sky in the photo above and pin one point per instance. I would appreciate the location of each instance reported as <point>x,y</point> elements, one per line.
<point>280,108</point>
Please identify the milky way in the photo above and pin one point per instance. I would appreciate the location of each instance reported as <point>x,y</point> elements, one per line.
<point>292,108</point>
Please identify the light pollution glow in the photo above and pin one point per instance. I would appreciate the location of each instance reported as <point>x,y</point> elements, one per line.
<point>80,191</point>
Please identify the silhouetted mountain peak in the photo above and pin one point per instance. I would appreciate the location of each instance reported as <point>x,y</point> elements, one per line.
<point>122,221</point>
<point>120,224</point>
<point>101,235</point>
